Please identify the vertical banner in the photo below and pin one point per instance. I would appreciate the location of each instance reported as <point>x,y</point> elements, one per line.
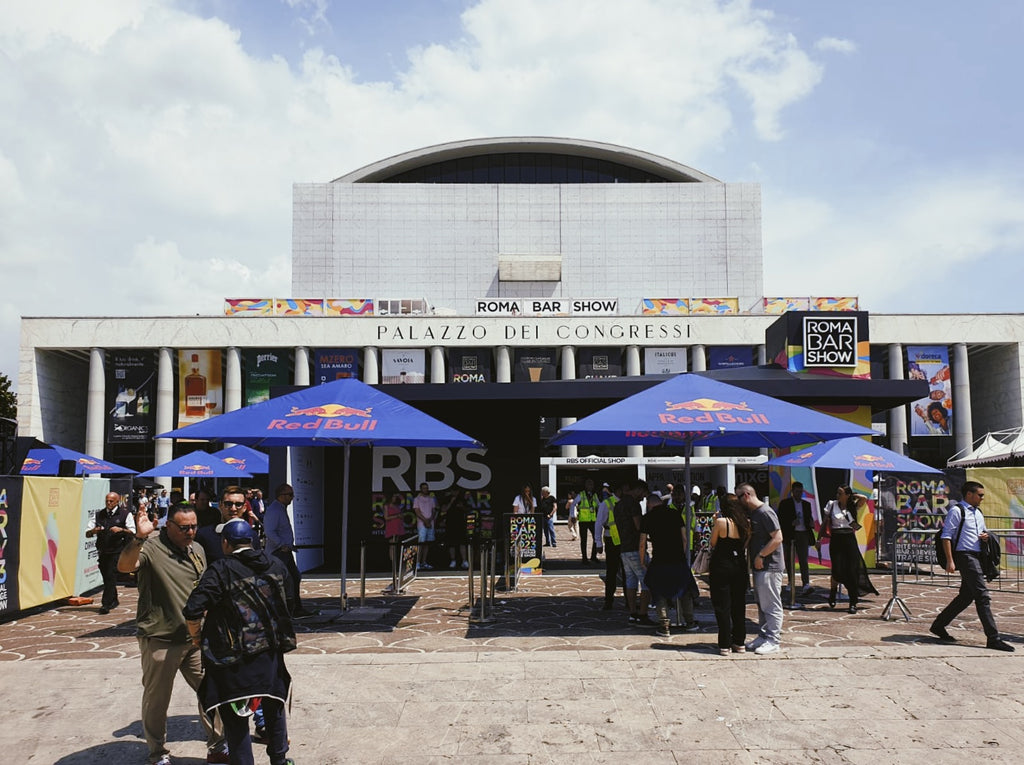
<point>10,542</point>
<point>730,356</point>
<point>535,364</point>
<point>469,365</point>
<point>664,361</point>
<point>335,364</point>
<point>932,415</point>
<point>596,363</point>
<point>131,396</point>
<point>51,535</point>
<point>87,572</point>
<point>307,508</point>
<point>402,366</point>
<point>200,387</point>
<point>264,369</point>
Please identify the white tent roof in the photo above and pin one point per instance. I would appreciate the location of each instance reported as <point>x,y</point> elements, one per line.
<point>999,446</point>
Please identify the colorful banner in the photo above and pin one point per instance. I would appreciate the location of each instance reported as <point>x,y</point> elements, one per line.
<point>335,364</point>
<point>51,535</point>
<point>131,396</point>
<point>664,307</point>
<point>469,365</point>
<point>248,307</point>
<point>264,368</point>
<point>10,542</point>
<point>714,306</point>
<point>783,304</point>
<point>730,356</point>
<point>87,570</point>
<point>346,307</point>
<point>200,387</point>
<point>664,361</point>
<point>402,366</point>
<point>932,415</point>
<point>298,307</point>
<point>598,363</point>
<point>535,364</point>
<point>834,304</point>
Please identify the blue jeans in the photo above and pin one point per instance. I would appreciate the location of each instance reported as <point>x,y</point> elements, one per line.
<point>768,588</point>
<point>549,532</point>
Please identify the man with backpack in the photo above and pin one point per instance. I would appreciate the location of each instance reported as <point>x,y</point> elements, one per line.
<point>963,533</point>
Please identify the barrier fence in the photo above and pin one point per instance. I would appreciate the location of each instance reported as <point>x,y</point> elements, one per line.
<point>482,559</point>
<point>912,554</point>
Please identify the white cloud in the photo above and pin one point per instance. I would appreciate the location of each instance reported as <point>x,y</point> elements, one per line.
<point>836,44</point>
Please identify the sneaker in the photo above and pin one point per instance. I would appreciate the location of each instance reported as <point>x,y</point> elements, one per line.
<point>452,564</point>
<point>465,564</point>
<point>219,756</point>
<point>646,621</point>
<point>164,760</point>
<point>691,627</point>
<point>259,736</point>
<point>807,590</point>
<point>941,634</point>
<point>754,644</point>
<point>663,631</point>
<point>723,651</point>
<point>766,647</point>
<point>999,645</point>
<point>739,649</point>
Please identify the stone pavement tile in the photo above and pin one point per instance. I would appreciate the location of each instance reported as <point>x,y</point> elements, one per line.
<point>682,736</point>
<point>587,710</point>
<point>938,755</point>
<point>822,756</point>
<point>798,705</point>
<point>544,739</point>
<point>804,735</point>
<point>923,735</point>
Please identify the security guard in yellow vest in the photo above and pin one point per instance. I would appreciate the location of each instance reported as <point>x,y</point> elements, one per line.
<point>610,537</point>
<point>587,504</point>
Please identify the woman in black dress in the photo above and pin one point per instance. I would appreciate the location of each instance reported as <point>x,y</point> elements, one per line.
<point>728,575</point>
<point>840,525</point>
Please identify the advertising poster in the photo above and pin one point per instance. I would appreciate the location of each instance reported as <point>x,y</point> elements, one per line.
<point>932,415</point>
<point>87,572</point>
<point>664,361</point>
<point>248,307</point>
<point>597,363</point>
<point>730,356</point>
<point>51,536</point>
<point>200,386</point>
<point>307,507</point>
<point>335,364</point>
<point>664,307</point>
<point>535,364</point>
<point>131,396</point>
<point>10,542</point>
<point>403,366</point>
<point>783,304</point>
<point>469,365</point>
<point>264,368</point>
<point>347,307</point>
<point>298,307</point>
<point>714,306</point>
<point>913,502</point>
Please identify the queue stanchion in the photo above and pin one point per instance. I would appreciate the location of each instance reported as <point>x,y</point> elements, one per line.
<point>486,606</point>
<point>362,574</point>
<point>790,553</point>
<point>895,600</point>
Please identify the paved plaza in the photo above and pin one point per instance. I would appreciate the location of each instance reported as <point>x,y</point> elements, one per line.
<point>551,678</point>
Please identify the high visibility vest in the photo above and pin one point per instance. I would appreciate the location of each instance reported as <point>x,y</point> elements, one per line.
<point>586,506</point>
<point>613,530</point>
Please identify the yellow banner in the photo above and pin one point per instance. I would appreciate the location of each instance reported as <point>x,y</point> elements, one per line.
<point>51,535</point>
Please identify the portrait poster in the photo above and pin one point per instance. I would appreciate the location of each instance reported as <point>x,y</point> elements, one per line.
<point>932,415</point>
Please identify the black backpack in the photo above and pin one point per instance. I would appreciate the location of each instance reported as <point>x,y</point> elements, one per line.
<point>940,549</point>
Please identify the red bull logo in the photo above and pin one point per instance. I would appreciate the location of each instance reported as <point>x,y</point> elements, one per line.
<point>240,464</point>
<point>89,462</point>
<point>31,465</point>
<point>198,469</point>
<point>872,462</point>
<point>326,417</point>
<point>710,411</point>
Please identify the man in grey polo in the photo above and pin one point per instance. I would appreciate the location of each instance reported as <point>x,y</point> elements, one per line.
<point>767,564</point>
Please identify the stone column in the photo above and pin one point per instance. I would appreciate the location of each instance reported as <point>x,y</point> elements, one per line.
<point>233,379</point>
<point>963,426</point>
<point>898,414</point>
<point>301,365</point>
<point>699,363</point>
<point>502,364</point>
<point>371,366</point>
<point>568,373</point>
<point>166,406</point>
<point>762,355</point>
<point>96,405</point>
<point>437,366</point>
<point>633,370</point>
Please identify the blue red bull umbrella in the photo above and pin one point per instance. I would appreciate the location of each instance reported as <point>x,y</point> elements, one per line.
<point>47,462</point>
<point>852,454</point>
<point>197,464</point>
<point>244,458</point>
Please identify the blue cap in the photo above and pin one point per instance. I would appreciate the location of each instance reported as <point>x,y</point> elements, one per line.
<point>235,530</point>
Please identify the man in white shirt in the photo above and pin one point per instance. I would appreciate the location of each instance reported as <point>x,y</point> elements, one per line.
<point>425,507</point>
<point>280,542</point>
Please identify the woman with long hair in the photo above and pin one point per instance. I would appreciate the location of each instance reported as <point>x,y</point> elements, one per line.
<point>524,502</point>
<point>728,575</point>
<point>840,526</point>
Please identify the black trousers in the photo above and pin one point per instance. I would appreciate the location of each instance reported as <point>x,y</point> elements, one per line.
<point>612,565</point>
<point>588,526</point>
<point>796,550</point>
<point>972,589</point>
<point>239,740</point>
<point>108,570</point>
<point>288,558</point>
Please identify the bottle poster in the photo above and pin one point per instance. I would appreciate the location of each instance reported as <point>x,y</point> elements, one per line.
<point>51,536</point>
<point>130,396</point>
<point>264,368</point>
<point>335,364</point>
<point>402,366</point>
<point>200,386</point>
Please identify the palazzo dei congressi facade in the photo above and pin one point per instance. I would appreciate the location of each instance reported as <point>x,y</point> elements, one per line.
<point>501,260</point>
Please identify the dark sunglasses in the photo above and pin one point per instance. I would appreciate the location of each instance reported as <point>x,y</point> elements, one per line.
<point>185,527</point>
<point>233,504</point>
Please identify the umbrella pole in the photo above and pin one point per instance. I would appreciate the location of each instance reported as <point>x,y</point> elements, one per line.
<point>344,529</point>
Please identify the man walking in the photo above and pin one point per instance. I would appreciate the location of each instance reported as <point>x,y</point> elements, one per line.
<point>797,531</point>
<point>627,514</point>
<point>280,538</point>
<point>966,525</point>
<point>768,567</point>
<point>587,503</point>
<point>113,527</point>
<point>609,534</point>
<point>168,565</point>
<point>243,656</point>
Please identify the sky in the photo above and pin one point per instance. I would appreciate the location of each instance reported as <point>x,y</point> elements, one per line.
<point>148,147</point>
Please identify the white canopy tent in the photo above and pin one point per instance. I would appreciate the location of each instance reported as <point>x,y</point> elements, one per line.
<point>1000,446</point>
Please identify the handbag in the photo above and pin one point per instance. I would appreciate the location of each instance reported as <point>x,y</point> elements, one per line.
<point>702,562</point>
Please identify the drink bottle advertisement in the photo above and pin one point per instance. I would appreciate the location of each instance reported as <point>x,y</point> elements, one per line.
<point>51,536</point>
<point>200,386</point>
<point>131,396</point>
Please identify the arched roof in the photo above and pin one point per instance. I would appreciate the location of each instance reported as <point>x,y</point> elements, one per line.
<point>403,166</point>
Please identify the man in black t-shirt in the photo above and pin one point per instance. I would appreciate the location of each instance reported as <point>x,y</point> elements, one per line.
<point>668,573</point>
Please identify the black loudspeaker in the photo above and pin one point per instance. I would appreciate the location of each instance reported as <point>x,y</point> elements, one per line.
<point>66,468</point>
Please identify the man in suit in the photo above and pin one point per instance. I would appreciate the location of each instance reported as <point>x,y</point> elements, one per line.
<point>797,530</point>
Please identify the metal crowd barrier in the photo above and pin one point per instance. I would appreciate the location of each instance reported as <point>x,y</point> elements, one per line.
<point>514,561</point>
<point>482,553</point>
<point>404,555</point>
<point>912,556</point>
